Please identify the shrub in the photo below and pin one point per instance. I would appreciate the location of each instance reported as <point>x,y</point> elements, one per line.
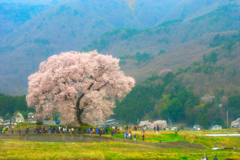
<point>39,123</point>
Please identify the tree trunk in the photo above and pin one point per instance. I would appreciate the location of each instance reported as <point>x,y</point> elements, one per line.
<point>78,110</point>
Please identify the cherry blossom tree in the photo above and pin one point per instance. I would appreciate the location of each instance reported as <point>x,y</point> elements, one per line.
<point>160,123</point>
<point>236,123</point>
<point>83,87</point>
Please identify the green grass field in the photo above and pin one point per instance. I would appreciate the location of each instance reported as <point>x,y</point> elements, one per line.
<point>102,150</point>
<point>15,149</point>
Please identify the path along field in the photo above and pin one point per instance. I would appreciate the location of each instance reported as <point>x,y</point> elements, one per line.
<point>13,149</point>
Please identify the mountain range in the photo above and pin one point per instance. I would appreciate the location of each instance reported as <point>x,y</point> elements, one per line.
<point>165,34</point>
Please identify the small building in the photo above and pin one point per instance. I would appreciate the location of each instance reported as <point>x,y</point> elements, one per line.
<point>197,127</point>
<point>102,125</point>
<point>9,123</point>
<point>1,119</point>
<point>31,121</point>
<point>216,127</point>
<point>31,118</point>
<point>174,129</point>
<point>31,115</point>
<point>19,119</point>
<point>49,122</point>
<point>111,123</point>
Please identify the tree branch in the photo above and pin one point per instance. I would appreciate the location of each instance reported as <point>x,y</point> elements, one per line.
<point>102,86</point>
<point>90,86</point>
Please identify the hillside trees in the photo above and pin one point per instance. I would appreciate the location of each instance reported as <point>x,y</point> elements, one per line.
<point>11,104</point>
<point>234,106</point>
<point>81,86</point>
<point>174,109</point>
<point>167,98</point>
<point>140,100</point>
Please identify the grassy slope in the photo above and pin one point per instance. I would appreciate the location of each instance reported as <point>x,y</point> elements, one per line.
<point>102,150</point>
<point>11,149</point>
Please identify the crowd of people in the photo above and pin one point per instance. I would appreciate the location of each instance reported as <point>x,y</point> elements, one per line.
<point>62,130</point>
<point>206,158</point>
<point>67,130</point>
<point>4,130</point>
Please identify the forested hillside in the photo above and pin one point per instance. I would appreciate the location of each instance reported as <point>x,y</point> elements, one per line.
<point>172,44</point>
<point>10,105</point>
<point>12,16</point>
<point>183,54</point>
<point>71,25</point>
<point>166,98</point>
<point>198,94</point>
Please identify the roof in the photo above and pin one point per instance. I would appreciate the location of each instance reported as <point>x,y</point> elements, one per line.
<point>197,126</point>
<point>110,120</point>
<point>217,126</point>
<point>30,114</point>
<point>8,120</point>
<point>19,118</point>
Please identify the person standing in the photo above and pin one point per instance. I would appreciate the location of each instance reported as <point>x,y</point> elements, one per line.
<point>215,158</point>
<point>79,130</point>
<point>235,147</point>
<point>143,137</point>
<point>135,137</point>
<point>112,133</point>
<point>106,131</point>
<point>26,130</point>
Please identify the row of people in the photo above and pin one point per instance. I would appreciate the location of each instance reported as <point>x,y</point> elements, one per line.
<point>4,130</point>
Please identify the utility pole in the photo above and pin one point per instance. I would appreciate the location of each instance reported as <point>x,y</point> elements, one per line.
<point>170,122</point>
<point>227,122</point>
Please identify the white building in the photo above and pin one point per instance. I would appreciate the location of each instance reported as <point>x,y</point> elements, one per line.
<point>31,115</point>
<point>197,127</point>
<point>31,118</point>
<point>19,119</point>
<point>9,123</point>
<point>49,122</point>
<point>216,127</point>
<point>112,122</point>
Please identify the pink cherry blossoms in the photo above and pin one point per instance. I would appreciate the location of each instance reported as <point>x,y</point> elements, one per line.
<point>81,86</point>
<point>160,123</point>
